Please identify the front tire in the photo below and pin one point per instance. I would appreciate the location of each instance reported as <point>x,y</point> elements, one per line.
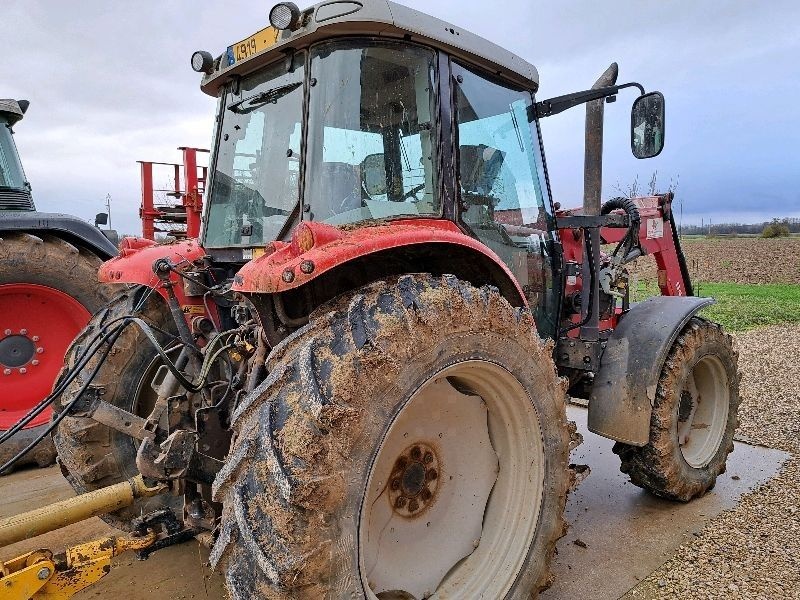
<point>91,454</point>
<point>694,417</point>
<point>412,440</point>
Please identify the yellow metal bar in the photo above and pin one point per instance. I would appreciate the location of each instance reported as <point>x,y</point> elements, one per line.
<point>54,516</point>
<point>27,582</point>
<point>41,576</point>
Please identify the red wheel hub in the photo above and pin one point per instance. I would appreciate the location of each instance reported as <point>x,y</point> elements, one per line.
<point>37,324</point>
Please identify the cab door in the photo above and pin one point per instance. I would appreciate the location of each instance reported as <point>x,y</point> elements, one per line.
<point>502,192</point>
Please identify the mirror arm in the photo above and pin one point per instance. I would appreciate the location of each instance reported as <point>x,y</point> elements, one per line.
<point>553,106</point>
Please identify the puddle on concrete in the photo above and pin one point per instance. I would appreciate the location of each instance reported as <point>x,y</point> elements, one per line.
<point>627,532</point>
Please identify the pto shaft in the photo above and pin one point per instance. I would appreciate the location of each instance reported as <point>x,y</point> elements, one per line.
<point>60,514</point>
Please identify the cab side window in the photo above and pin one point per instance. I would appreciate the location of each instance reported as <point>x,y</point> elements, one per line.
<point>501,184</point>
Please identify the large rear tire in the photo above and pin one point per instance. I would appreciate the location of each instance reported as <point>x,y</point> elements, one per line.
<point>694,417</point>
<point>93,455</point>
<point>413,439</point>
<point>48,291</point>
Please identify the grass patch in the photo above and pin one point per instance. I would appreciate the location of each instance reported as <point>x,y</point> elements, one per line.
<point>740,307</point>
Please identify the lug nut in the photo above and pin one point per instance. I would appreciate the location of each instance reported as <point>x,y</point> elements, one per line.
<point>307,267</point>
<point>23,332</point>
<point>39,350</point>
<point>6,371</point>
<point>416,452</point>
<point>395,484</point>
<point>413,505</point>
<point>7,332</point>
<point>23,370</point>
<point>431,475</point>
<point>428,458</point>
<point>400,502</point>
<point>34,362</point>
<point>288,276</point>
<point>35,338</point>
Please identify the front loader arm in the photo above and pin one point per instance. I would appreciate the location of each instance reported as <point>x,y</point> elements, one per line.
<point>658,236</point>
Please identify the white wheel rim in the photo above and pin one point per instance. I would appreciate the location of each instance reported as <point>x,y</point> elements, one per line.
<point>474,521</point>
<point>703,411</point>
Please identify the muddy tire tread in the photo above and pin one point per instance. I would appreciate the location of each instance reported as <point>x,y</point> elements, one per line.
<point>90,454</point>
<point>47,259</point>
<point>281,547</point>
<point>658,466</point>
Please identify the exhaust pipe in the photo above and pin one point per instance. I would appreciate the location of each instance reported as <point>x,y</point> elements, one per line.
<point>592,187</point>
<point>593,160</point>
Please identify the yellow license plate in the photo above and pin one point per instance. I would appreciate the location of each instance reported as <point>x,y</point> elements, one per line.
<point>253,45</point>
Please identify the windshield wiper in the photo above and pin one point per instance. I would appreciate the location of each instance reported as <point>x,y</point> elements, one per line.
<point>265,97</point>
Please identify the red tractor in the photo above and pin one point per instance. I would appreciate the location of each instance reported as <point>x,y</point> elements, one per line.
<point>354,382</point>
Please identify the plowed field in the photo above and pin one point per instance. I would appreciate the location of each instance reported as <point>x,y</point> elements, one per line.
<point>736,260</point>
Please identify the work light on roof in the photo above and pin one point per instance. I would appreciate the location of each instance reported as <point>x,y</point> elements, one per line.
<point>285,15</point>
<point>202,62</point>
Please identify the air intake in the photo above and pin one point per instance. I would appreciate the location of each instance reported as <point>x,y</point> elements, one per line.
<point>14,199</point>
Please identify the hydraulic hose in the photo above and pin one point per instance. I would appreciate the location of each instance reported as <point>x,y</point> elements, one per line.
<point>631,239</point>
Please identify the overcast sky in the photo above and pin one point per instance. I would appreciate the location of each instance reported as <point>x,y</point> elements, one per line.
<point>110,84</point>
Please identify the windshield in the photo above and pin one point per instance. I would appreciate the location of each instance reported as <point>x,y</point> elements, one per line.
<point>11,173</point>
<point>255,182</point>
<point>371,132</point>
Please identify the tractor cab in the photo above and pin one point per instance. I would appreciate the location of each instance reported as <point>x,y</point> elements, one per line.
<point>15,191</point>
<point>408,121</point>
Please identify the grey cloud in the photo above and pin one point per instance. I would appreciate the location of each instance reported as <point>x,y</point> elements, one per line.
<point>110,84</point>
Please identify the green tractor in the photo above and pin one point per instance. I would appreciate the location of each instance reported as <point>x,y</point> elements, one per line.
<point>48,292</point>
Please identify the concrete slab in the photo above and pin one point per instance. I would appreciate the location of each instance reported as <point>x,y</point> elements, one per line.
<point>627,532</point>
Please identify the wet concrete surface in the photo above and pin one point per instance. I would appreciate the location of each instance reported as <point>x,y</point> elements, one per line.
<point>179,572</point>
<point>627,533</point>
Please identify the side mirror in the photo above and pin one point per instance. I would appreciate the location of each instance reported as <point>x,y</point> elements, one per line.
<point>373,175</point>
<point>647,125</point>
<point>101,219</point>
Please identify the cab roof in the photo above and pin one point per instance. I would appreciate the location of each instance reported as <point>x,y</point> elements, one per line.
<point>379,18</point>
<point>11,111</point>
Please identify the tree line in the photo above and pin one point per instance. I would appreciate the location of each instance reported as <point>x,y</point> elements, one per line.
<point>775,228</point>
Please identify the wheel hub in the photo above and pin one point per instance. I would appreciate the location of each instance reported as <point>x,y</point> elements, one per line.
<point>16,350</point>
<point>703,411</point>
<point>414,480</point>
<point>455,490</point>
<point>39,322</point>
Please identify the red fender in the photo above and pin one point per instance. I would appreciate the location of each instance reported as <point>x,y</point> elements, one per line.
<point>317,248</point>
<point>135,265</point>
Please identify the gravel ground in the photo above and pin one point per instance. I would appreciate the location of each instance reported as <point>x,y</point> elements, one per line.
<point>752,551</point>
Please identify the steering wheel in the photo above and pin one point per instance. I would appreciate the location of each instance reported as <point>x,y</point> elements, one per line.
<point>412,192</point>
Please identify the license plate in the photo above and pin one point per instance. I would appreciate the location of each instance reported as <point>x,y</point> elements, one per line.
<point>252,45</point>
<point>253,253</point>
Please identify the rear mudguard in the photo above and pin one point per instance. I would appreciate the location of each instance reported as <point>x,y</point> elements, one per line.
<point>134,265</point>
<point>624,388</point>
<point>67,227</point>
<point>317,248</point>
